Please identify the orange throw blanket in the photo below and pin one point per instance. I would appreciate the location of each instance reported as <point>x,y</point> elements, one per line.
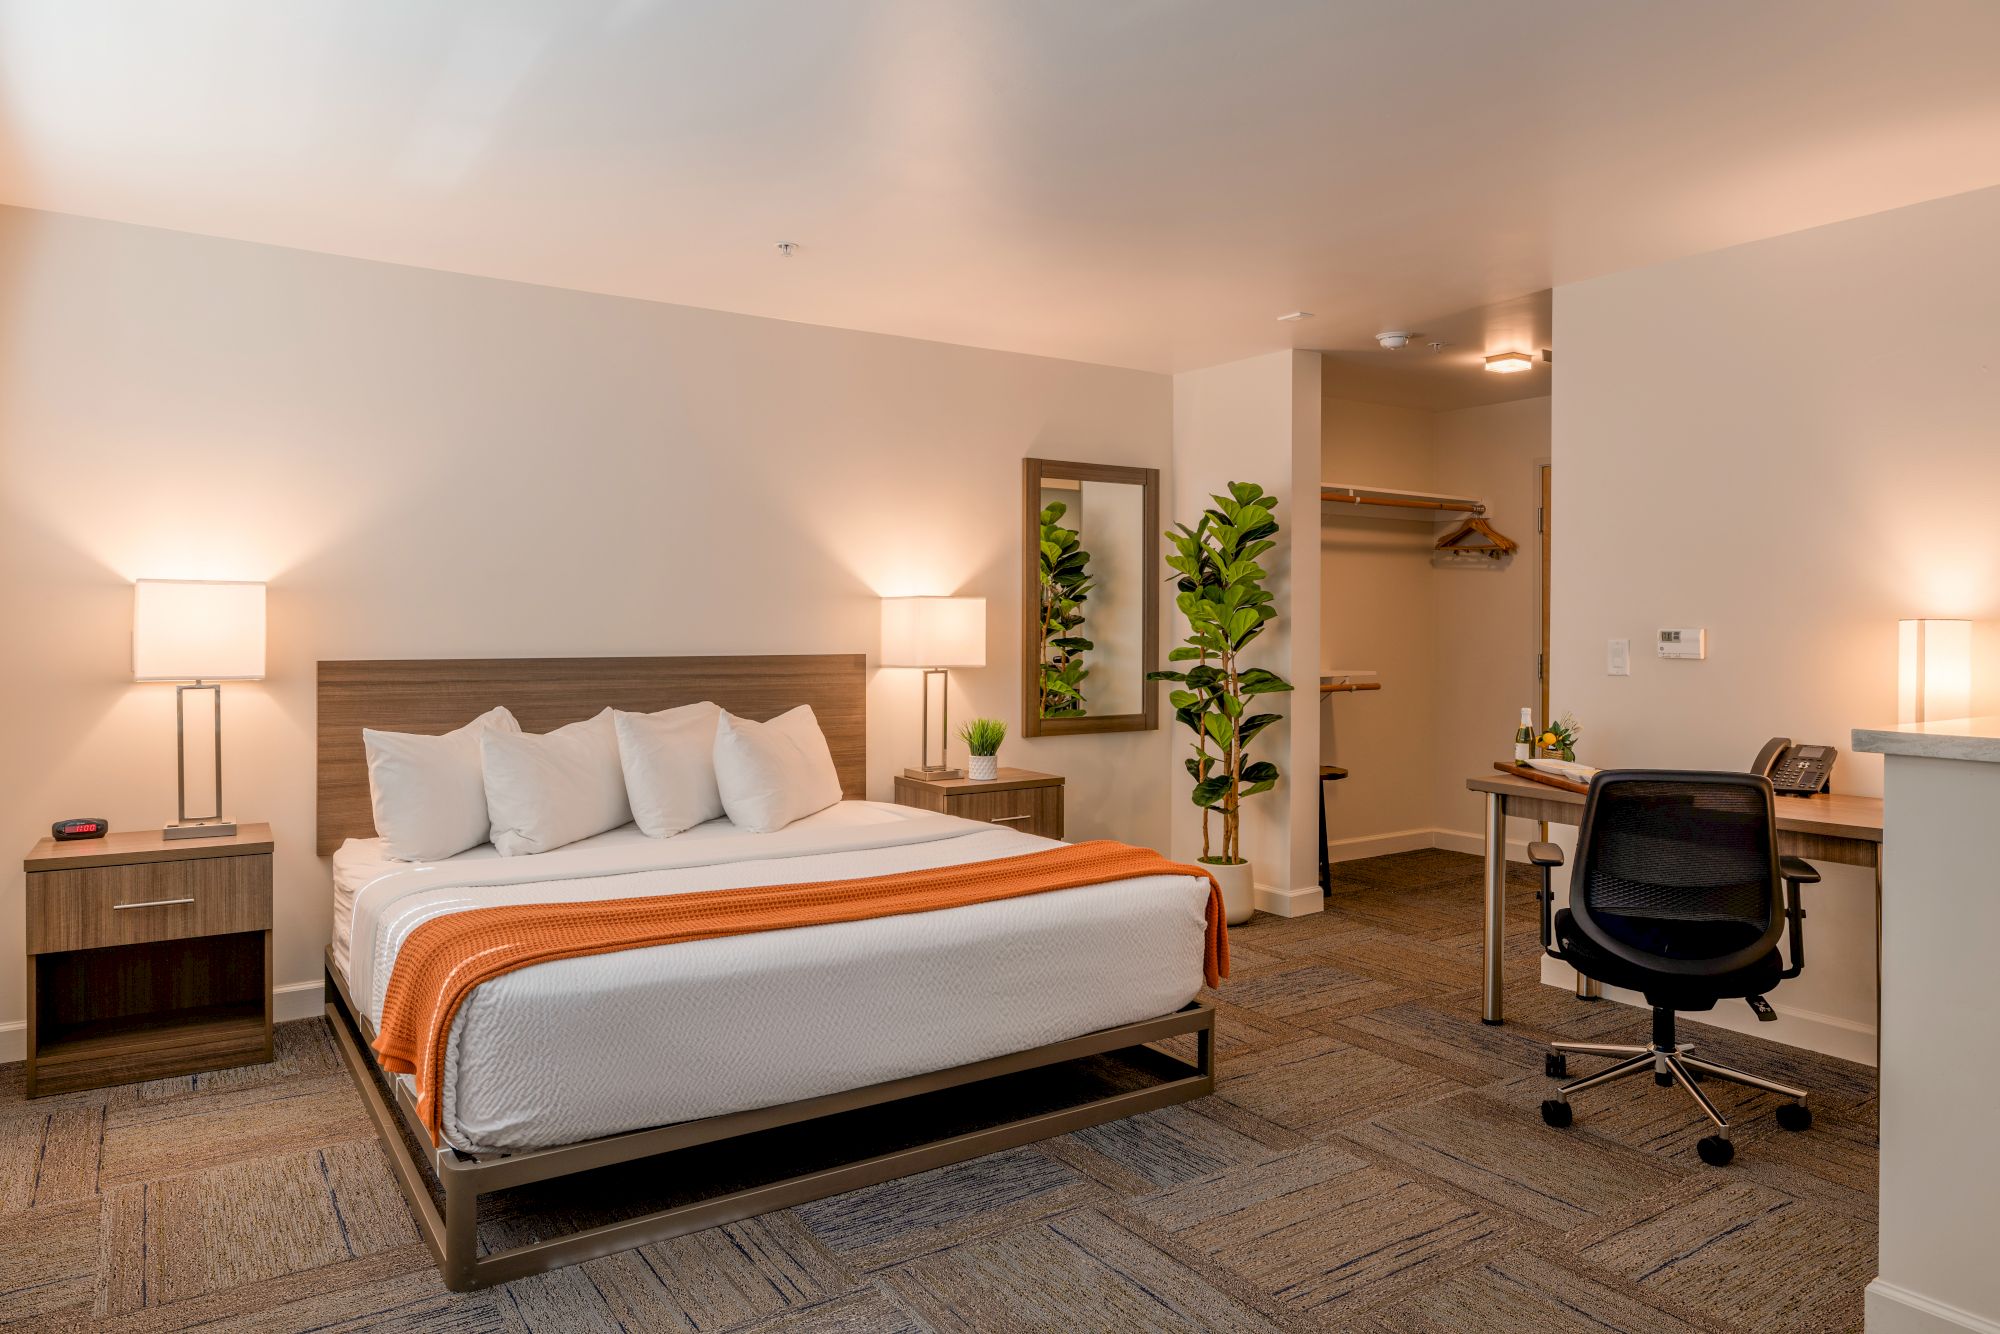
<point>445,958</point>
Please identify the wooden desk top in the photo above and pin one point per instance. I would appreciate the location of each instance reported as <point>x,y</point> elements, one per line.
<point>1829,815</point>
<point>128,846</point>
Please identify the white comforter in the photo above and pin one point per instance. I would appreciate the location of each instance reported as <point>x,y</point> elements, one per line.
<point>579,1048</point>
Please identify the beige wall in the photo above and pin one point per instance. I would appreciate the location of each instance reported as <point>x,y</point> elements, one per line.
<point>427,465</point>
<point>1792,444</point>
<point>1455,645</point>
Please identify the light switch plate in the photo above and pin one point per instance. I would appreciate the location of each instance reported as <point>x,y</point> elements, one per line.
<point>1617,657</point>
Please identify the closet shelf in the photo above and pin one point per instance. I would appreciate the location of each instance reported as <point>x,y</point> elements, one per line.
<point>1388,498</point>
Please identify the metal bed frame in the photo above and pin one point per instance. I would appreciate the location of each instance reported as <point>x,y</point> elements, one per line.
<point>460,1178</point>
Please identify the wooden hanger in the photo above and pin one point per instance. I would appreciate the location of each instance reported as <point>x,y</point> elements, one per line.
<point>1493,544</point>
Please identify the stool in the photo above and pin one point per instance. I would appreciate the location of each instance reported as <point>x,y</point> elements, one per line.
<point>1328,773</point>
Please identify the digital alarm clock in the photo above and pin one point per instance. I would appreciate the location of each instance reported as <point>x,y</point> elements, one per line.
<point>67,831</point>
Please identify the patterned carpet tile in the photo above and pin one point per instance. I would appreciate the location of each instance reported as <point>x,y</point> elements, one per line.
<point>882,1224</point>
<point>1318,1082</point>
<point>1519,1290</point>
<point>1143,1154</point>
<point>1322,1233</point>
<point>1488,1150</point>
<point>1773,1262</point>
<point>1048,1275</point>
<point>1374,1161</point>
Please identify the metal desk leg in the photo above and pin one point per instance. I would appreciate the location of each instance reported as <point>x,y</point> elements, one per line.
<point>1496,904</point>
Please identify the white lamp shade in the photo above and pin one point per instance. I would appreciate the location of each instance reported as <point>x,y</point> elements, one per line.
<point>1933,670</point>
<point>933,632</point>
<point>197,630</point>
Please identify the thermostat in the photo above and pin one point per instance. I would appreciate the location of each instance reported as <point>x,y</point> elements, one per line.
<point>1684,643</point>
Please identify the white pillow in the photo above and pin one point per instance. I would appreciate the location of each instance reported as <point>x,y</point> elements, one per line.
<point>669,763</point>
<point>427,791</point>
<point>771,774</point>
<point>543,791</point>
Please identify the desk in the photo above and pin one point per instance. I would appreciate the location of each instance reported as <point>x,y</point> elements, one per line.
<point>1827,828</point>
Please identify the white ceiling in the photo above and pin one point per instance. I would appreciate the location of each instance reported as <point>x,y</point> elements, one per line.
<point>1146,183</point>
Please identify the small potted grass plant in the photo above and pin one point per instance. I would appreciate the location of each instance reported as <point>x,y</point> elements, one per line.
<point>982,738</point>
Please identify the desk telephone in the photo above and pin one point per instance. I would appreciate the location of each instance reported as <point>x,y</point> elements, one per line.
<point>1795,771</point>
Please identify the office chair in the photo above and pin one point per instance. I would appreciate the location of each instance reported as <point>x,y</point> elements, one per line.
<point>1675,894</point>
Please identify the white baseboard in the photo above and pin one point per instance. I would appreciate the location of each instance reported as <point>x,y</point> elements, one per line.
<point>1416,840</point>
<point>298,1000</point>
<point>1828,1034</point>
<point>1301,902</point>
<point>1892,1309</point>
<point>294,1000</point>
<point>1379,845</point>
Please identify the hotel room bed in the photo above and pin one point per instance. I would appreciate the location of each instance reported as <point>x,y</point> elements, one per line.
<point>862,1043</point>
<point>715,1026</point>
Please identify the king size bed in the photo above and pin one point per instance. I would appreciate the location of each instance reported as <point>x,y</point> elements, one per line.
<point>851,1033</point>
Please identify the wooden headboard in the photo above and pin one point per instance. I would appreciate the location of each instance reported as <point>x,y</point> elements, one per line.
<point>438,695</point>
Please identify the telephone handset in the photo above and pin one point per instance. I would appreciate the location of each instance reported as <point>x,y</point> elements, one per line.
<point>1795,771</point>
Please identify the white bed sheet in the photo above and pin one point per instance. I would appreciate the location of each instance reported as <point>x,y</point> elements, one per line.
<point>579,1048</point>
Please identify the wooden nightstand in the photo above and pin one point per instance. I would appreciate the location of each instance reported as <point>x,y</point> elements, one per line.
<point>1019,799</point>
<point>147,957</point>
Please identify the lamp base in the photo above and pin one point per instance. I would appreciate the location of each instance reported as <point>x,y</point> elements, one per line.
<point>930,775</point>
<point>217,828</point>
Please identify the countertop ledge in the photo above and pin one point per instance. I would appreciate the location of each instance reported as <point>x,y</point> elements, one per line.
<point>1949,739</point>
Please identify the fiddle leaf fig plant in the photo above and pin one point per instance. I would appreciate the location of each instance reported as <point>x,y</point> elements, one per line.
<point>1221,594</point>
<point>1065,583</point>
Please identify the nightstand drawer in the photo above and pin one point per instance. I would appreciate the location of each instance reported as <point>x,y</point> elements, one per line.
<point>97,906</point>
<point>1032,810</point>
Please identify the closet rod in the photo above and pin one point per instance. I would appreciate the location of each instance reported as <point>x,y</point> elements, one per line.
<point>1350,496</point>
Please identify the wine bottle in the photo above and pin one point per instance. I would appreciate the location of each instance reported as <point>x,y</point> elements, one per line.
<point>1524,739</point>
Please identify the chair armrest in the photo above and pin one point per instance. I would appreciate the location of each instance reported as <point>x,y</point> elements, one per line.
<point>1795,871</point>
<point>1548,854</point>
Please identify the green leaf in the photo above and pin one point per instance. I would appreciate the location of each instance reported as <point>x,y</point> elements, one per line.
<point>1210,791</point>
<point>1256,723</point>
<point>1183,654</point>
<point>1263,771</point>
<point>1257,681</point>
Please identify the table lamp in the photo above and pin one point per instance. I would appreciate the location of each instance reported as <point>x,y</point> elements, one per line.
<point>197,633</point>
<point>934,634</point>
<point>1933,670</point>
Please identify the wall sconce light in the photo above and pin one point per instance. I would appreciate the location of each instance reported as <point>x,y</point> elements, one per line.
<point>1510,363</point>
<point>1933,670</point>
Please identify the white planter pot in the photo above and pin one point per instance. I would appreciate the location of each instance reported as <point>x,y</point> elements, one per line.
<point>982,768</point>
<point>1239,890</point>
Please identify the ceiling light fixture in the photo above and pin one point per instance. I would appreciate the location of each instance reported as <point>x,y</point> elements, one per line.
<point>1509,363</point>
<point>1394,340</point>
<point>1295,317</point>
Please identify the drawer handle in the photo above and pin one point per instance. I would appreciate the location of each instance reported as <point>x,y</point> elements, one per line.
<point>1012,819</point>
<point>150,903</point>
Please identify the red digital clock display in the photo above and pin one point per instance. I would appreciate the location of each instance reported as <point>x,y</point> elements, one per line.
<point>65,830</point>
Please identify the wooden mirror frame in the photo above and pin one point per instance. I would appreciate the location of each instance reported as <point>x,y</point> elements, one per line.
<point>1033,473</point>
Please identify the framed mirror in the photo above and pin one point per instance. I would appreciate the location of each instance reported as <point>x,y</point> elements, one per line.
<point>1091,579</point>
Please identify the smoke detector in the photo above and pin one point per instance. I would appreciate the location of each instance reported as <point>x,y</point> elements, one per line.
<point>1393,341</point>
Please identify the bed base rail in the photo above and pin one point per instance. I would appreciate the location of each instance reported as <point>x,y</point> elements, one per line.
<point>452,1232</point>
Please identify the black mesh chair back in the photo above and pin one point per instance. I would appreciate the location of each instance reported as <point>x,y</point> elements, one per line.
<point>1677,871</point>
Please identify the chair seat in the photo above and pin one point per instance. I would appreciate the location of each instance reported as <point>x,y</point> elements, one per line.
<point>1674,993</point>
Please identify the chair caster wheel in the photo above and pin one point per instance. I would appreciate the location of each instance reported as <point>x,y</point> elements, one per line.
<point>1715,1150</point>
<point>1664,1081</point>
<point>1794,1115</point>
<point>1557,1113</point>
<point>1555,1065</point>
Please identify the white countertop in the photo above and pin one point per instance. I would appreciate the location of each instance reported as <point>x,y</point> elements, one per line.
<point>1948,739</point>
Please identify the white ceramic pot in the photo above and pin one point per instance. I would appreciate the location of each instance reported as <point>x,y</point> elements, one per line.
<point>1239,890</point>
<point>982,768</point>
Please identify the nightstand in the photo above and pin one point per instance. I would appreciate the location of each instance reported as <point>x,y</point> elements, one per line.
<point>147,957</point>
<point>1019,799</point>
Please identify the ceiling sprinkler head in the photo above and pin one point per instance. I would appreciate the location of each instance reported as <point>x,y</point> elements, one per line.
<point>788,248</point>
<point>1393,341</point>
